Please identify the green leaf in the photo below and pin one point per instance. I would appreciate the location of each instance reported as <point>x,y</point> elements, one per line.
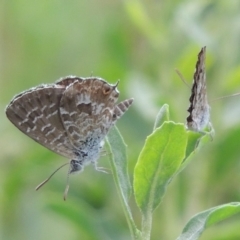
<point>196,141</point>
<point>162,116</point>
<point>159,159</point>
<point>193,145</point>
<point>118,162</point>
<point>201,221</point>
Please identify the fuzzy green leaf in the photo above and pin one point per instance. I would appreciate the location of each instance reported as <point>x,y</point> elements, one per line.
<point>196,141</point>
<point>162,116</point>
<point>119,161</point>
<point>159,159</point>
<point>201,221</point>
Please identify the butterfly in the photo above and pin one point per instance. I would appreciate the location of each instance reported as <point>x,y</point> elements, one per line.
<point>199,110</point>
<point>70,117</point>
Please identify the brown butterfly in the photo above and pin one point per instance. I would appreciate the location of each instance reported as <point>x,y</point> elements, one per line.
<point>199,109</point>
<point>71,117</point>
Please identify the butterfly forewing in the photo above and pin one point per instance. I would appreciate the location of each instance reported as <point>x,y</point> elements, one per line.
<point>36,113</point>
<point>199,109</point>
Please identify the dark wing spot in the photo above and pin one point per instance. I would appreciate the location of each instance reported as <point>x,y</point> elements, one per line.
<point>86,108</point>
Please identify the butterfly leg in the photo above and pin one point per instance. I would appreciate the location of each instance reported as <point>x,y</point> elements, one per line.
<point>211,130</point>
<point>100,169</point>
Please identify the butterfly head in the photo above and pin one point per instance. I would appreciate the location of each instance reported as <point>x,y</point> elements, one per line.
<point>75,167</point>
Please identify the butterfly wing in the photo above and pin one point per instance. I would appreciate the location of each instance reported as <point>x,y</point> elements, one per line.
<point>36,113</point>
<point>67,115</point>
<point>199,109</point>
<point>66,81</point>
<point>121,108</point>
<point>93,101</point>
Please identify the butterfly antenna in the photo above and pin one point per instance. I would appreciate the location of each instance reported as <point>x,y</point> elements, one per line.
<point>67,187</point>
<point>45,181</point>
<point>181,77</point>
<point>227,96</point>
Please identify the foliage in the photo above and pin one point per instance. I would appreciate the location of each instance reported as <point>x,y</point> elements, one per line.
<point>165,153</point>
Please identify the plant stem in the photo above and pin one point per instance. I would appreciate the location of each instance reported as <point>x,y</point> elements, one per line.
<point>146,225</point>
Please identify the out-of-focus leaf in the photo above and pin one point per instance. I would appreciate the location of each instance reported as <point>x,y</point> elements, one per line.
<point>201,221</point>
<point>162,116</point>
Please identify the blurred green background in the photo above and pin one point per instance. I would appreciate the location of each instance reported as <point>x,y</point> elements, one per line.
<point>140,43</point>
